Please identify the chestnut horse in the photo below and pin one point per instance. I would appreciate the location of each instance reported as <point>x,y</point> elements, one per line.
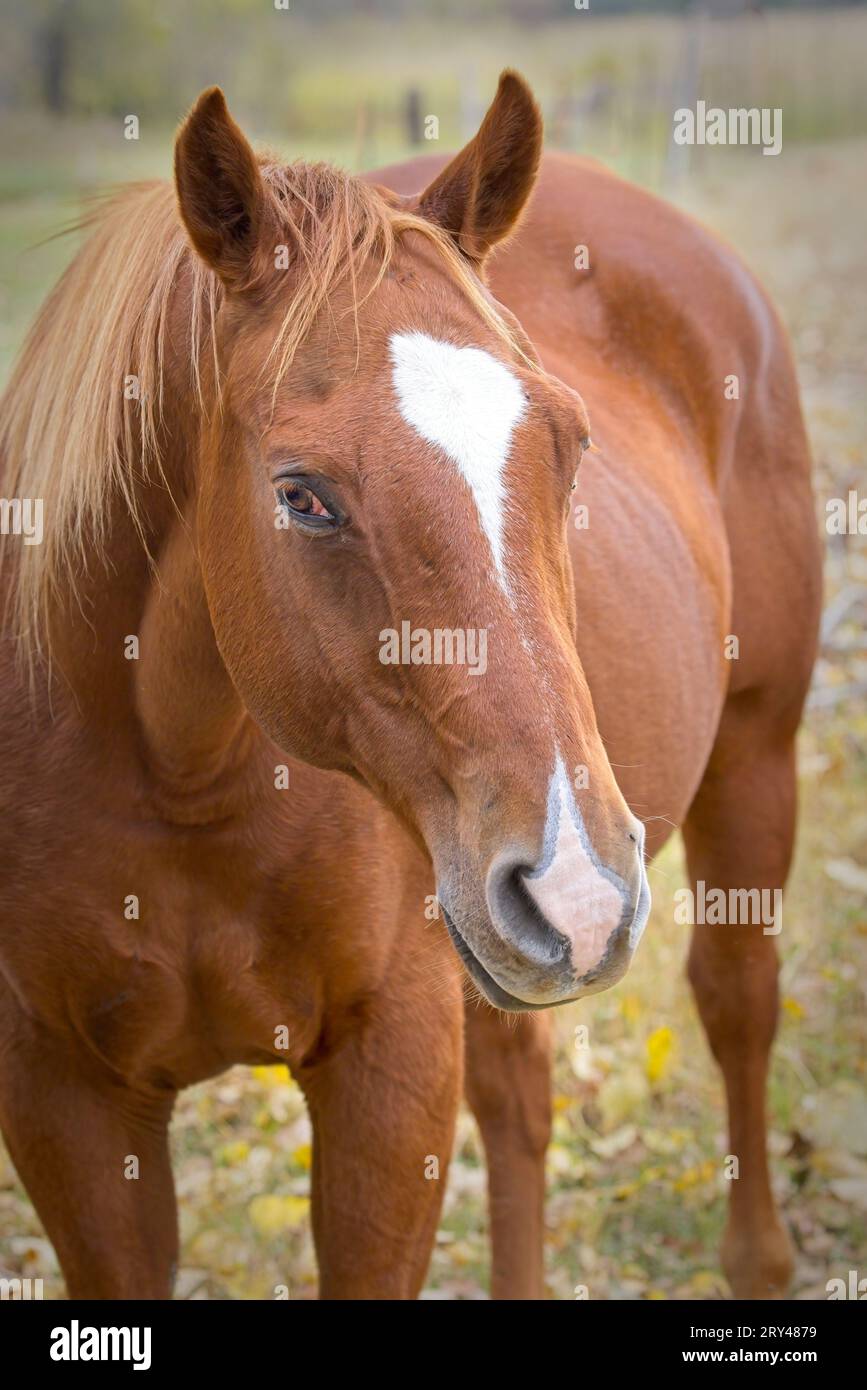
<point>274,421</point>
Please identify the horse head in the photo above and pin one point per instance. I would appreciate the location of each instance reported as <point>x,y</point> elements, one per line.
<point>383,497</point>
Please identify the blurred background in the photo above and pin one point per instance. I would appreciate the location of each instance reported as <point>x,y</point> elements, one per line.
<point>637,1193</point>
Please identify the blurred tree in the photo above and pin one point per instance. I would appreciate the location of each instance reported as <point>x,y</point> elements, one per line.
<point>151,57</point>
<point>54,44</point>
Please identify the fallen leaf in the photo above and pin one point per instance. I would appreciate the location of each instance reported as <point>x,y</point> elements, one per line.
<point>615,1143</point>
<point>848,874</point>
<point>659,1054</point>
<point>837,1118</point>
<point>273,1076</point>
<point>851,1190</point>
<point>272,1214</point>
<point>793,1008</point>
<point>303,1155</point>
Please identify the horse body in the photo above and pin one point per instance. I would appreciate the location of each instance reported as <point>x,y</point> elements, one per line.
<point>301,912</point>
<point>701,530</point>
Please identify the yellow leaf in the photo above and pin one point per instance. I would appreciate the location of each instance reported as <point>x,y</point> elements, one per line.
<point>706,1282</point>
<point>236,1152</point>
<point>630,1007</point>
<point>688,1178</point>
<point>692,1177</point>
<point>273,1076</point>
<point>793,1009</point>
<point>304,1155</point>
<point>659,1047</point>
<point>651,1174</point>
<point>271,1214</point>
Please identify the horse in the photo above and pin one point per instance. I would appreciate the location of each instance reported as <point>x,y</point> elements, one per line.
<point>274,415</point>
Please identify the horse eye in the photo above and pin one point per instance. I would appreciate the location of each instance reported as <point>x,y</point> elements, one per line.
<point>303,502</point>
<point>583,444</point>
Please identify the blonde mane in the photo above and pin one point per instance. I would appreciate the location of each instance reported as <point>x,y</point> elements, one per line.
<point>80,417</point>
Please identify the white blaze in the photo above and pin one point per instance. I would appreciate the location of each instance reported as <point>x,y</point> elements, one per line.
<point>573,890</point>
<point>466,402</point>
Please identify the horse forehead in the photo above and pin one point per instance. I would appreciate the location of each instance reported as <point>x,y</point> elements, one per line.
<point>468,403</point>
<point>460,398</point>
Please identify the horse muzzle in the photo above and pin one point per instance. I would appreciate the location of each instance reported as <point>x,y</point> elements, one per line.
<point>534,930</point>
<point>521,960</point>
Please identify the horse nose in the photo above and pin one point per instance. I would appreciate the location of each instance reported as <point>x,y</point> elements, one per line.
<point>570,915</point>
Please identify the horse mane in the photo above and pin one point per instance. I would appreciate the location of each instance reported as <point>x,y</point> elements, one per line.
<point>68,433</point>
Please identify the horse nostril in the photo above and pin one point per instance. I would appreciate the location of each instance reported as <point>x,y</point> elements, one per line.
<point>637,836</point>
<point>520,922</point>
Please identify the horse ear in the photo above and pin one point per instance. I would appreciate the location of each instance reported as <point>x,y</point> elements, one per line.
<point>221,194</point>
<point>480,195</point>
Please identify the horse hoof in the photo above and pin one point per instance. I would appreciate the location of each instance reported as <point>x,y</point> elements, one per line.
<point>758,1263</point>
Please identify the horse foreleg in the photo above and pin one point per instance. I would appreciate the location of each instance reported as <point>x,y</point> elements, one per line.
<point>739,835</point>
<point>383,1105</point>
<point>93,1156</point>
<point>508,1086</point>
